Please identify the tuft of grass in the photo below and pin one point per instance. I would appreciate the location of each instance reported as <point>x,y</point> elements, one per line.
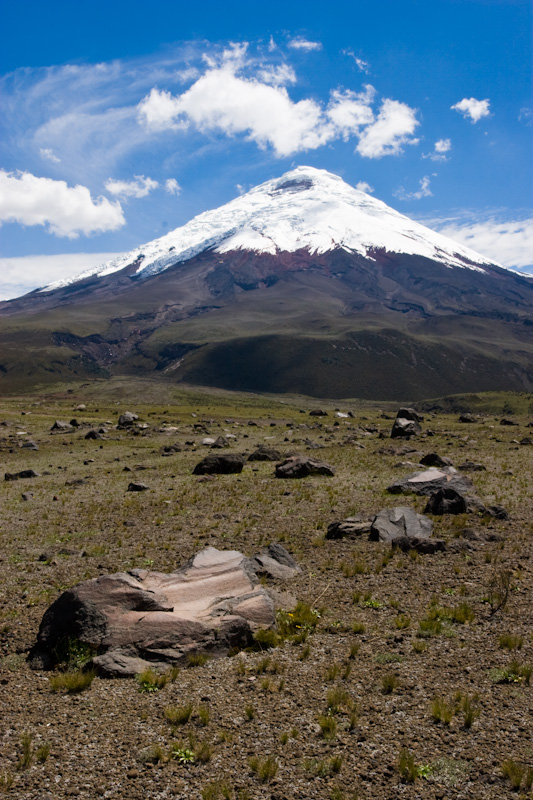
<point>26,758</point>
<point>203,715</point>
<point>249,710</point>
<point>442,711</point>
<point>518,774</point>
<point>197,659</point>
<point>151,681</point>
<point>72,681</point>
<point>6,780</point>
<point>265,770</point>
<point>178,715</point>
<point>402,621</point>
<point>203,752</point>
<point>514,673</point>
<point>509,641</point>
<point>328,726</point>
<point>470,709</point>
<point>358,628</point>
<point>389,683</point>
<point>337,699</point>
<point>42,753</point>
<point>407,767</point>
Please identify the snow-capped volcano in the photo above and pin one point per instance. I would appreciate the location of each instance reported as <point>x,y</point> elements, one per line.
<point>305,209</point>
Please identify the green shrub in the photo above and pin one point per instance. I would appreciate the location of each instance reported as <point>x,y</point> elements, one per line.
<point>72,681</point>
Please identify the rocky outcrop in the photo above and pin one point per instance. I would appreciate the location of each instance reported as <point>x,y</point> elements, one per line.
<point>349,528</point>
<point>24,473</point>
<point>141,619</point>
<point>265,453</point>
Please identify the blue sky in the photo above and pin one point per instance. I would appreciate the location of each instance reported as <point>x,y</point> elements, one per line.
<point>122,120</point>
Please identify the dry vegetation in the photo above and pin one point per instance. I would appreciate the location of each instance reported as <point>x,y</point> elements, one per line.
<point>411,685</point>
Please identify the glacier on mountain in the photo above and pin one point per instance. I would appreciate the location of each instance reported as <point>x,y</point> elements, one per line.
<point>305,209</point>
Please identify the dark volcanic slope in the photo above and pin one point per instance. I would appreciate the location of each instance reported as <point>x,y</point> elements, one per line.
<point>304,284</point>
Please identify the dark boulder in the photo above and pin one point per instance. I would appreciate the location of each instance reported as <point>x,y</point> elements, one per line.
<point>24,473</point>
<point>402,527</point>
<point>301,467</point>
<point>434,460</point>
<point>431,480</point>
<point>275,562</point>
<point>127,419</point>
<point>61,427</point>
<point>467,418</point>
<point>318,412</point>
<point>93,435</point>
<point>227,464</point>
<point>446,501</point>
<point>406,425</point>
<point>265,453</point>
<point>137,487</point>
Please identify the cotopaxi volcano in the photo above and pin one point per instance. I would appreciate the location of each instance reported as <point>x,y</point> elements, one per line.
<point>304,284</point>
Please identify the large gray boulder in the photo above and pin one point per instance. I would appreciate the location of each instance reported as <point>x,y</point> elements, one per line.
<point>403,527</point>
<point>301,467</point>
<point>141,619</point>
<point>425,482</point>
<point>406,425</point>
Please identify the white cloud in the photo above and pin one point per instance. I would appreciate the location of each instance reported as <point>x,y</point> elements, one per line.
<point>172,186</point>
<point>424,191</point>
<point>277,75</point>
<point>508,242</point>
<point>67,211</point>
<point>526,115</point>
<point>360,64</point>
<point>49,155</point>
<point>350,111</point>
<point>24,274</point>
<point>393,128</point>
<point>299,43</point>
<point>443,146</point>
<point>140,187</point>
<point>470,107</point>
<point>363,186</point>
<point>272,45</point>
<point>222,101</point>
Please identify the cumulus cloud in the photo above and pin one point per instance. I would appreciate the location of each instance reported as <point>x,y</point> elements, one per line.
<point>424,191</point>
<point>49,155</point>
<point>224,100</point>
<point>299,43</point>
<point>508,242</point>
<point>442,147</point>
<point>392,129</point>
<point>139,187</point>
<point>23,274</point>
<point>65,210</point>
<point>470,107</point>
<point>350,111</point>
<point>172,186</point>
<point>363,186</point>
<point>221,100</point>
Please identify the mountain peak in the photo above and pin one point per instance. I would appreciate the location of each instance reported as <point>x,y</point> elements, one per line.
<point>304,209</point>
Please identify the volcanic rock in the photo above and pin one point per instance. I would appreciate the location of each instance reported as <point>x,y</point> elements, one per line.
<point>127,419</point>
<point>265,453</point>
<point>25,473</point>
<point>275,562</point>
<point>301,467</point>
<point>349,528</point>
<point>137,487</point>
<point>402,527</point>
<point>430,480</point>
<point>434,460</point>
<point>92,434</point>
<point>227,464</point>
<point>446,501</point>
<point>61,427</point>
<point>467,418</point>
<point>406,424</point>
<point>142,619</point>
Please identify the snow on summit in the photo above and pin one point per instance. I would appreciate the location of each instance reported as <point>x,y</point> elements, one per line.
<point>305,208</point>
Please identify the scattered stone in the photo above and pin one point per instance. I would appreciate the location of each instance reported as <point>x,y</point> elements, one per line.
<point>76,482</point>
<point>27,495</point>
<point>137,487</point>
<point>406,424</point>
<point>318,412</point>
<point>61,427</point>
<point>471,466</point>
<point>402,527</point>
<point>219,443</point>
<point>434,460</point>
<point>301,467</point>
<point>467,418</point>
<point>349,528</point>
<point>142,619</point>
<point>526,440</point>
<point>92,434</point>
<point>29,445</point>
<point>275,562</point>
<point>431,480</point>
<point>446,501</point>
<point>208,441</point>
<point>228,464</point>
<point>127,419</point>
<point>265,453</point>
<point>25,473</point>
<point>74,423</point>
<point>81,407</point>
<point>506,421</point>
<point>170,449</point>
